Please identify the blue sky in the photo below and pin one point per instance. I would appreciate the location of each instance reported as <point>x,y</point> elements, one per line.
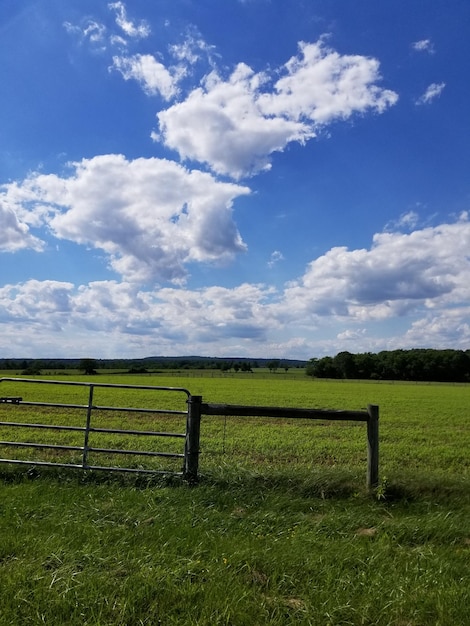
<point>259,178</point>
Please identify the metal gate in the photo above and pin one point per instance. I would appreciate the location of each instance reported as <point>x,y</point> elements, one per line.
<point>88,430</point>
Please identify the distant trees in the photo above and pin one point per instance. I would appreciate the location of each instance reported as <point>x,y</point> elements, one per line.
<point>88,366</point>
<point>33,368</point>
<point>154,364</point>
<point>416,364</point>
<point>244,366</point>
<point>136,369</point>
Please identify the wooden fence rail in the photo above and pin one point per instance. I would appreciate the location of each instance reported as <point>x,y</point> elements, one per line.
<point>197,408</point>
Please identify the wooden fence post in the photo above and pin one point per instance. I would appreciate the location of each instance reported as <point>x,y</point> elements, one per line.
<point>191,448</point>
<point>372,446</point>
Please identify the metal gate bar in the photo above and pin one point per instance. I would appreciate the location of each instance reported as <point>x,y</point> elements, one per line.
<point>95,430</point>
<point>87,429</point>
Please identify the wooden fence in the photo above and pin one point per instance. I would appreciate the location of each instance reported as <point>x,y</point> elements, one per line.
<point>197,408</point>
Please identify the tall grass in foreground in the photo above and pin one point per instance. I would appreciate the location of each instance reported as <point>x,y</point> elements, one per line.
<point>280,529</point>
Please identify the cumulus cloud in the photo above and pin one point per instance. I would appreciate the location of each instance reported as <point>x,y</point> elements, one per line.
<point>234,125</point>
<point>432,92</point>
<point>36,304</point>
<point>221,124</point>
<point>150,216</point>
<point>400,273</point>
<point>14,233</point>
<point>121,315</point>
<point>218,313</point>
<point>423,276</point>
<point>209,313</point>
<point>321,85</point>
<point>449,328</point>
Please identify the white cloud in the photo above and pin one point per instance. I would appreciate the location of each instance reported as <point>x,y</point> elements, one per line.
<point>217,313</point>
<point>193,49</point>
<point>423,45</point>
<point>153,76</point>
<point>46,303</point>
<point>352,335</point>
<point>119,317</point>
<point>91,31</point>
<point>449,328</point>
<point>156,77</point>
<point>433,91</point>
<point>399,274</point>
<point>321,86</point>
<point>98,36</point>
<point>340,303</point>
<point>136,31</point>
<point>221,124</point>
<point>406,221</point>
<point>14,232</point>
<point>150,216</point>
<point>235,124</point>
<point>276,256</point>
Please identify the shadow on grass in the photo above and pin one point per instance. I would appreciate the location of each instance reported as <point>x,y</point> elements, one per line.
<point>321,484</point>
<point>324,483</point>
<point>15,475</point>
<point>440,489</point>
<point>341,485</point>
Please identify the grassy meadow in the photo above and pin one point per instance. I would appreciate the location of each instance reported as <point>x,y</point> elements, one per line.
<point>280,528</point>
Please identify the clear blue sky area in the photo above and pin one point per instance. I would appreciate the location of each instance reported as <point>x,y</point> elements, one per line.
<point>253,178</point>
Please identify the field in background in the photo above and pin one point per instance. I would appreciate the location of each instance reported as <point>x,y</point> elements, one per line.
<point>280,529</point>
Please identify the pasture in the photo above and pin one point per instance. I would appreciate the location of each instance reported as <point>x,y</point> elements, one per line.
<point>280,529</point>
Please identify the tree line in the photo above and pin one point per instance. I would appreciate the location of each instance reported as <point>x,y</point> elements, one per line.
<point>407,365</point>
<point>148,364</point>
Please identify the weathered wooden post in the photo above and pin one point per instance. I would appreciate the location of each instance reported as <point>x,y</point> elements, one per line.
<point>372,446</point>
<point>191,448</point>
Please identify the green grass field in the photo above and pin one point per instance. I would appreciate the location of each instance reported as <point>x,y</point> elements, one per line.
<point>280,529</point>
